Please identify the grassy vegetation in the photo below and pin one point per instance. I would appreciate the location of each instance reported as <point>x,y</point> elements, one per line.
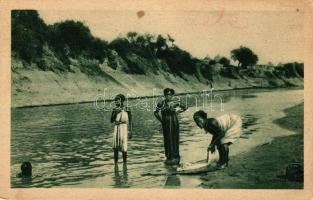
<point>55,47</point>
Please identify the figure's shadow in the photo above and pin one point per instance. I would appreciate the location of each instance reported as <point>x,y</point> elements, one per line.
<point>173,181</point>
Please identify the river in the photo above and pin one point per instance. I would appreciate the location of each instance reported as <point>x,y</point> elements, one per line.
<point>70,145</point>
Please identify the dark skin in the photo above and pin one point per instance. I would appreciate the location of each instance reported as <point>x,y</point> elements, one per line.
<point>119,107</point>
<point>169,100</point>
<point>158,115</point>
<point>210,125</point>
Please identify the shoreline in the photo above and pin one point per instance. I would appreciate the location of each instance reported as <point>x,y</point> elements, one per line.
<point>152,96</point>
<point>264,166</point>
<point>245,169</point>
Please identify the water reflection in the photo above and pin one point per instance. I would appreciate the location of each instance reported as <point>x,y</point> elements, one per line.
<point>26,180</point>
<point>71,144</point>
<point>120,180</point>
<point>173,181</point>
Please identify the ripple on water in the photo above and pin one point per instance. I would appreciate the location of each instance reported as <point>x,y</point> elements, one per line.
<point>71,144</point>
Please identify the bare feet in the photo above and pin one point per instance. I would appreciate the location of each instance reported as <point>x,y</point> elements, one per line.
<point>221,166</point>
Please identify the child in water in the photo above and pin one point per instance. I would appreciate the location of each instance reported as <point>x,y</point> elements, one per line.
<point>26,170</point>
<point>122,119</point>
<point>225,130</point>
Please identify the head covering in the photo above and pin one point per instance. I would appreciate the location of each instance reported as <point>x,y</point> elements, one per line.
<point>168,91</point>
<point>26,169</point>
<point>119,97</point>
<point>200,113</point>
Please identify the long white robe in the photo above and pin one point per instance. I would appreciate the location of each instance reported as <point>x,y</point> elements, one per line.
<point>120,133</point>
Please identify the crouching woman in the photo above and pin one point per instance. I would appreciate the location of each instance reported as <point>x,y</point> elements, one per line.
<point>225,130</point>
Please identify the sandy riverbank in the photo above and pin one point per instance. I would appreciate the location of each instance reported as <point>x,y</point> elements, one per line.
<point>35,87</point>
<point>264,166</point>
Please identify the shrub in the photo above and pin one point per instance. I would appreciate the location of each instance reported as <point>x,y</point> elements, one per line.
<point>28,34</point>
<point>89,66</point>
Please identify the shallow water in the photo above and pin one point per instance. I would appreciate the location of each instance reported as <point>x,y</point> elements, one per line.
<point>70,145</point>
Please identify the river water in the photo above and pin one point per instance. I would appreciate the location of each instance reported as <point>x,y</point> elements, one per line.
<point>70,145</point>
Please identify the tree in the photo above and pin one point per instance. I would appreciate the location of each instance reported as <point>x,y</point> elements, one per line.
<point>131,36</point>
<point>74,34</point>
<point>270,64</point>
<point>28,34</point>
<point>172,40</point>
<point>120,45</point>
<point>98,49</point>
<point>244,56</point>
<point>161,43</point>
<point>224,61</point>
<point>178,60</point>
<point>74,39</point>
<point>149,38</point>
<point>141,42</point>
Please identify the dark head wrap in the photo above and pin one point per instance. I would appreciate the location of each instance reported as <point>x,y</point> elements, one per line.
<point>201,114</point>
<point>168,91</point>
<point>120,97</point>
<point>26,169</point>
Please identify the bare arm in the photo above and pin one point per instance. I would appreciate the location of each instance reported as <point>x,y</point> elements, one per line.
<point>157,111</point>
<point>218,134</point>
<point>113,116</point>
<point>130,118</point>
<point>214,137</point>
<point>183,107</point>
<point>158,115</point>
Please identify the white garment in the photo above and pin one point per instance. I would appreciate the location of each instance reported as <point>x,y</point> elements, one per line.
<point>194,168</point>
<point>231,125</point>
<point>120,133</point>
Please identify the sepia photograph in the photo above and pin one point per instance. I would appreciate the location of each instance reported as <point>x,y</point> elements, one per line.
<point>157,99</point>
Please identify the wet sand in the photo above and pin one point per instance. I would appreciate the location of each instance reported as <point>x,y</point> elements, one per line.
<point>265,165</point>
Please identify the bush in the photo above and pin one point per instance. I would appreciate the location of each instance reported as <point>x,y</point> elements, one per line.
<point>89,66</point>
<point>50,62</point>
<point>290,70</point>
<point>300,69</point>
<point>29,33</point>
<point>121,46</point>
<point>136,65</point>
<point>73,38</point>
<point>230,72</point>
<point>206,70</point>
<point>179,61</point>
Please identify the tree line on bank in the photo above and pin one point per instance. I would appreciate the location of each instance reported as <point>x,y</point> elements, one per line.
<point>73,39</point>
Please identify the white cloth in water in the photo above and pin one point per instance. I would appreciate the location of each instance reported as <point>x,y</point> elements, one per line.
<point>231,125</point>
<point>194,168</point>
<point>120,133</point>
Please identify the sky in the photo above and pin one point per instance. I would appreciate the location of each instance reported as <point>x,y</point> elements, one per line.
<point>274,36</point>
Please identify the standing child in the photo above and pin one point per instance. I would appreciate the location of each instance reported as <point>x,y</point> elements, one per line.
<point>225,130</point>
<point>166,112</point>
<point>122,119</point>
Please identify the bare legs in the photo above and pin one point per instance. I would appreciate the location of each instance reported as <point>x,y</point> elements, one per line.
<point>124,157</point>
<point>115,156</point>
<point>124,154</point>
<point>223,150</point>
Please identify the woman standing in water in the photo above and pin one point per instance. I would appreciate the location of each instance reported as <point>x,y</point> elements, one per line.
<point>122,119</point>
<point>166,112</point>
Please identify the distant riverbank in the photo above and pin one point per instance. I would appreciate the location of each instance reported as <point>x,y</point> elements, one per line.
<point>265,165</point>
<point>41,88</point>
<point>148,96</point>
